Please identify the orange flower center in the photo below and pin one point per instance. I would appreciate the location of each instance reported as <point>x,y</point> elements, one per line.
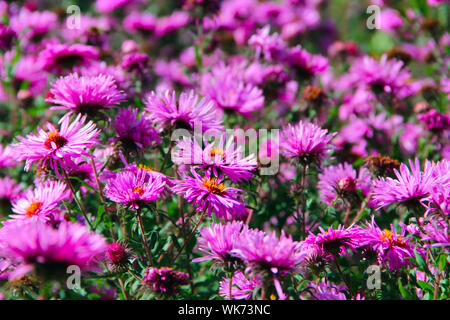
<point>138,190</point>
<point>213,186</point>
<point>217,151</point>
<point>388,236</point>
<point>144,167</point>
<point>33,209</point>
<point>54,140</point>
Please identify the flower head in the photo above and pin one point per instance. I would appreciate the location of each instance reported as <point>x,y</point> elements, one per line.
<point>305,142</point>
<point>42,202</point>
<point>56,145</point>
<point>60,57</point>
<point>211,194</point>
<point>269,254</point>
<point>165,280</point>
<point>410,186</point>
<point>218,158</point>
<point>34,246</point>
<point>243,287</point>
<point>134,189</point>
<point>335,241</point>
<point>343,181</point>
<point>186,112</point>
<point>84,94</point>
<point>134,133</point>
<point>393,248</point>
<point>217,242</point>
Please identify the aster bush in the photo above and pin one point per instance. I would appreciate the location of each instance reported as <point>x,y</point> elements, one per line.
<point>226,150</point>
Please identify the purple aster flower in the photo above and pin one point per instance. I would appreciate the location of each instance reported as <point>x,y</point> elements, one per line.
<point>33,25</point>
<point>188,112</point>
<point>386,75</point>
<point>437,232</point>
<point>217,242</point>
<point>118,255</point>
<point>324,290</point>
<point>42,202</point>
<point>134,189</point>
<point>335,241</point>
<point>144,22</point>
<point>165,280</point>
<point>88,95</point>
<point>305,142</point>
<point>56,145</point>
<point>220,158</point>
<point>172,23</point>
<point>30,70</point>
<point>7,37</point>
<point>8,157</point>
<point>135,62</point>
<point>435,121</point>
<point>306,64</point>
<point>210,194</point>
<point>9,191</point>
<point>390,20</point>
<point>108,6</point>
<point>242,288</point>
<point>392,248</point>
<point>271,46</point>
<point>60,57</point>
<point>226,86</point>
<point>268,253</point>
<point>134,133</point>
<point>35,246</point>
<point>342,181</point>
<point>410,186</point>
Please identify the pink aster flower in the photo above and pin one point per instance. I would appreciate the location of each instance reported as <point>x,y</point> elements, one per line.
<point>165,280</point>
<point>135,62</point>
<point>33,25</point>
<point>188,112</point>
<point>29,69</point>
<point>218,158</point>
<point>242,287</point>
<point>305,63</point>
<point>266,252</point>
<point>171,23</point>
<point>42,202</point>
<point>393,248</point>
<point>7,37</point>
<point>435,121</point>
<point>343,181</point>
<point>9,190</point>
<point>84,94</point>
<point>390,20</point>
<point>305,142</point>
<point>410,186</point>
<point>108,6</point>
<point>8,157</point>
<point>60,57</point>
<point>144,22</point>
<point>324,290</point>
<point>56,145</point>
<point>134,189</point>
<point>436,231</point>
<point>217,242</point>
<point>385,75</point>
<point>226,86</point>
<point>134,132</point>
<point>35,246</point>
<point>335,241</point>
<point>210,194</point>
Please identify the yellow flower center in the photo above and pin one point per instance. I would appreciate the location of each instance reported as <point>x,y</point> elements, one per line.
<point>33,209</point>
<point>214,187</point>
<point>388,236</point>
<point>145,167</point>
<point>138,190</point>
<point>217,151</point>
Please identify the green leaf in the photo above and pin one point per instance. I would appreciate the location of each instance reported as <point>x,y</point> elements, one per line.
<point>405,294</point>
